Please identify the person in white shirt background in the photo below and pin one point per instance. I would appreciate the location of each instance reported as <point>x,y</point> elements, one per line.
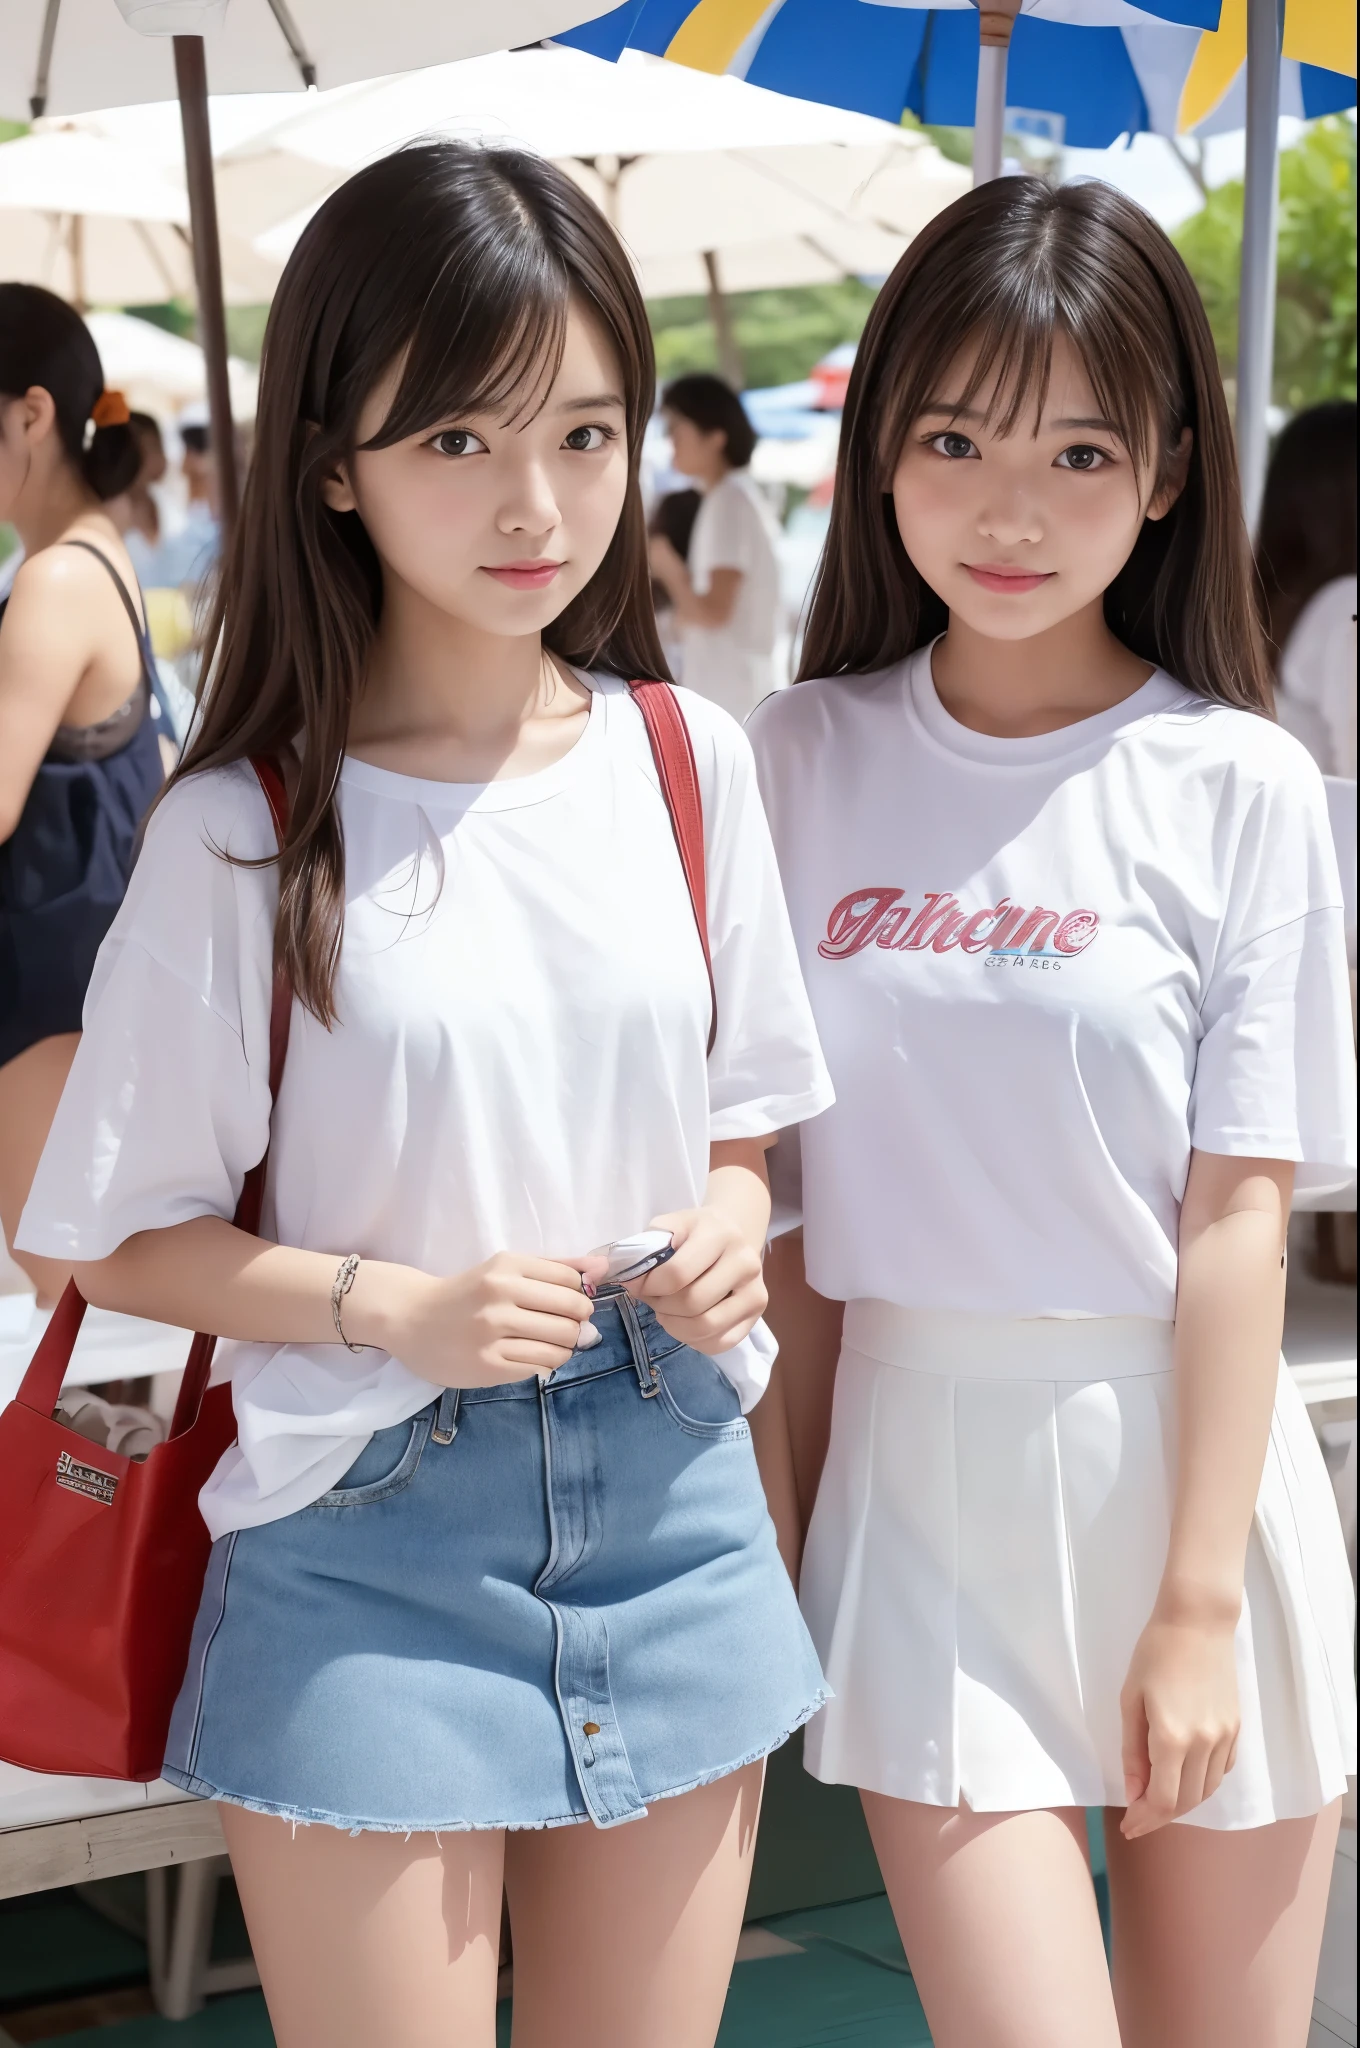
<point>1070,917</point>
<point>1305,553</point>
<point>726,595</point>
<point>494,1597</point>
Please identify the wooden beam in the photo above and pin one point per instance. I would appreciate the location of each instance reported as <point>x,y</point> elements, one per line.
<point>37,1859</point>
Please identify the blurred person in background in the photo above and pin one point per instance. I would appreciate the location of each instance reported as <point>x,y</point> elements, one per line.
<point>186,552</point>
<point>79,761</point>
<point>1305,554</point>
<point>672,519</point>
<point>136,512</point>
<point>726,597</point>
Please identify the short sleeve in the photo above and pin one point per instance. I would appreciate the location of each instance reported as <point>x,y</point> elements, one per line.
<point>766,1069</point>
<point>725,537</point>
<point>1275,1071</point>
<point>167,1105</point>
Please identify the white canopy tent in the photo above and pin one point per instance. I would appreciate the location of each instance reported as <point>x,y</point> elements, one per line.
<point>105,224</point>
<point>161,373</point>
<point>714,185</point>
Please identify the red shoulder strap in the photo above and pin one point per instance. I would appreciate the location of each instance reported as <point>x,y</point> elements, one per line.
<point>41,1387</point>
<point>673,753</point>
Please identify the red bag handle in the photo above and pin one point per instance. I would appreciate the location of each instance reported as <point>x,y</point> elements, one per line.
<point>673,752</point>
<point>41,1387</point>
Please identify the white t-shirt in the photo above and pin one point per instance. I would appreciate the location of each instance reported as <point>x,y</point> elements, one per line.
<point>1042,970</point>
<point>733,665</point>
<point>1317,677</point>
<point>520,1061</point>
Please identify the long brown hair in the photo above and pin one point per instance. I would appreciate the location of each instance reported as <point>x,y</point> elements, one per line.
<point>1006,268</point>
<point>1306,535</point>
<point>460,262</point>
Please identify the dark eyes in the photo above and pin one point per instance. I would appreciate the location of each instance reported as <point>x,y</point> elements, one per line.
<point>588,440</point>
<point>1082,457</point>
<point>458,441</point>
<point>957,447</point>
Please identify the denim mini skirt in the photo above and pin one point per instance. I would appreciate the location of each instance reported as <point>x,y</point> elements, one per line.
<point>533,1604</point>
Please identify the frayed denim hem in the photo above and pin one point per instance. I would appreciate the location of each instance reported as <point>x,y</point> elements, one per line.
<point>303,1817</point>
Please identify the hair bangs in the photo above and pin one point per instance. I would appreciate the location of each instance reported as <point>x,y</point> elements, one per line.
<point>494,350</point>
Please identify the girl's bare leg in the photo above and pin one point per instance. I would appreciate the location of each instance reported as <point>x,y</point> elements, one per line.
<point>626,1935</point>
<point>1216,1935</point>
<point>30,1089</point>
<point>371,1939</point>
<point>998,1916</point>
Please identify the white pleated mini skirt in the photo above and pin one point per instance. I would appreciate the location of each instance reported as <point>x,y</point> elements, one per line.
<point>986,1549</point>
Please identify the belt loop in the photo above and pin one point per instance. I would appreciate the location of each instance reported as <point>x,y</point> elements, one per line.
<point>446,1419</point>
<point>642,1364</point>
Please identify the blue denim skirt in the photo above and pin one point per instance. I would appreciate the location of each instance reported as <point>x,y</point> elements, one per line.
<point>531,1605</point>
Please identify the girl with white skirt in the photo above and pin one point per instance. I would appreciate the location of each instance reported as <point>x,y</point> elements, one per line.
<point>1070,918</point>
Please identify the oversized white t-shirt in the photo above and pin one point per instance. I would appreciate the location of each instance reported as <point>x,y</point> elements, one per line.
<point>519,1063</point>
<point>1042,970</point>
<point>733,665</point>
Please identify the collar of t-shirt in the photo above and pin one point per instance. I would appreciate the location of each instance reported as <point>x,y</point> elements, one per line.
<point>1034,750</point>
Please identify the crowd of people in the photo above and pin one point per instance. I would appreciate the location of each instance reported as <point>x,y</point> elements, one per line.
<point>1015,956</point>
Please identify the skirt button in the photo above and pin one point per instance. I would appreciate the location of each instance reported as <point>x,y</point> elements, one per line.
<point>590,1727</point>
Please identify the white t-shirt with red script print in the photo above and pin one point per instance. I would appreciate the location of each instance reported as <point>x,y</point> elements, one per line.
<point>1042,970</point>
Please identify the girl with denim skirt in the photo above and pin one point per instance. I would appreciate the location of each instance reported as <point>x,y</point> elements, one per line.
<point>494,1598</point>
<point>1070,915</point>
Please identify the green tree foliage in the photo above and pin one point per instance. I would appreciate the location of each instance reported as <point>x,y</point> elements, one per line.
<point>1315,307</point>
<point>780,334</point>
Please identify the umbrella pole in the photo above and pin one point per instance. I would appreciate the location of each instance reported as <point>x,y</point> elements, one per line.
<point>191,76</point>
<point>720,313</point>
<point>1260,206</point>
<point>996,20</point>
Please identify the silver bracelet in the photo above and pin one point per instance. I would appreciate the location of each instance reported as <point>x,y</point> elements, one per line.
<point>340,1287</point>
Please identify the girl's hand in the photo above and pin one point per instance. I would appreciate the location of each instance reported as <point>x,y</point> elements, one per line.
<point>1181,1717</point>
<point>711,1292</point>
<point>503,1320</point>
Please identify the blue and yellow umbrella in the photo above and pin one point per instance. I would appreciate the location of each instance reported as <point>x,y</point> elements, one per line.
<point>1086,71</point>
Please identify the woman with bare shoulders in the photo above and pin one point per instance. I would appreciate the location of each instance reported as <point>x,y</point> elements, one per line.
<point>79,762</point>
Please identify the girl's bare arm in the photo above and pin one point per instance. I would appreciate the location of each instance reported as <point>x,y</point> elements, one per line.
<point>501,1320</point>
<point>808,1328</point>
<point>1180,1700</point>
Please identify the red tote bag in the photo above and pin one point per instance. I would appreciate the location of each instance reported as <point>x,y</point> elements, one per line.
<point>102,1559</point>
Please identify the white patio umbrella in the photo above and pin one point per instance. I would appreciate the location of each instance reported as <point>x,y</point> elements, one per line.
<point>715,185</point>
<point>104,224</point>
<point>69,56</point>
<point>161,373</point>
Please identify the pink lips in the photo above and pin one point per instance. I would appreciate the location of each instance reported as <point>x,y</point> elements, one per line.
<point>523,575</point>
<point>1011,582</point>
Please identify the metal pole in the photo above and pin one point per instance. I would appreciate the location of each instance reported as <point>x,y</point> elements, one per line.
<point>1260,207</point>
<point>996,18</point>
<point>191,76</point>
<point>720,313</point>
